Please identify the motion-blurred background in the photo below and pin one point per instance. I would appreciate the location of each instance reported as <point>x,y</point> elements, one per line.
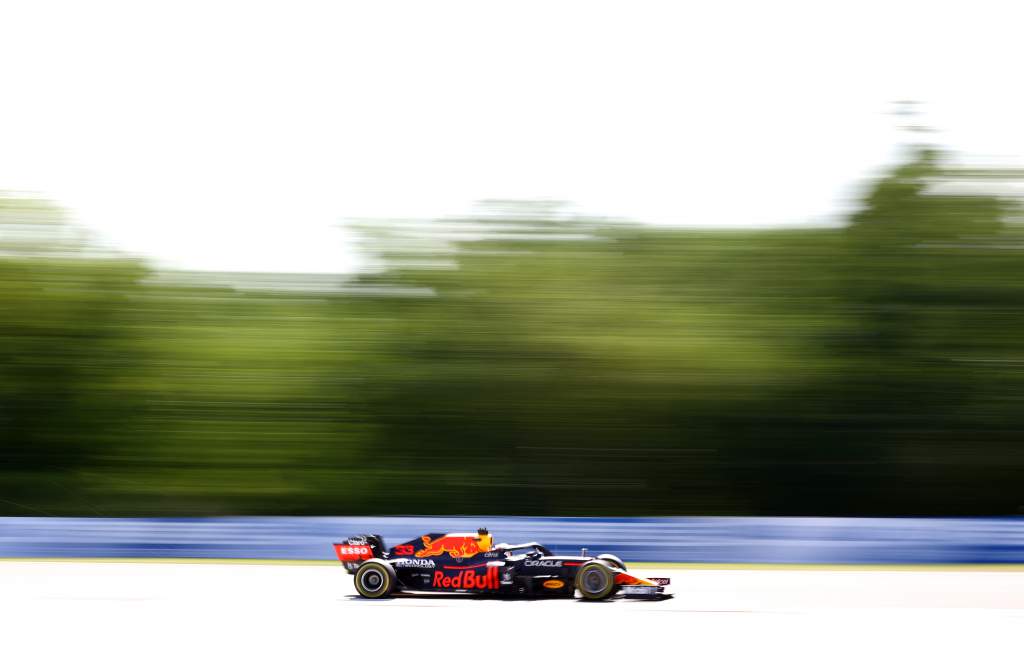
<point>527,361</point>
<point>525,357</point>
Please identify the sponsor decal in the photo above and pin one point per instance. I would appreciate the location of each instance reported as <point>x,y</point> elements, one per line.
<point>542,563</point>
<point>467,579</point>
<point>413,562</point>
<point>404,550</point>
<point>661,581</point>
<point>554,584</point>
<point>491,554</point>
<point>349,553</point>
<point>457,546</point>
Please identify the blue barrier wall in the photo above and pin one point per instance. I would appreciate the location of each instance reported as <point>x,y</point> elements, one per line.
<point>687,539</point>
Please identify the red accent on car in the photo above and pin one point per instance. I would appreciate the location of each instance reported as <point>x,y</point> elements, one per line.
<point>625,579</point>
<point>353,553</point>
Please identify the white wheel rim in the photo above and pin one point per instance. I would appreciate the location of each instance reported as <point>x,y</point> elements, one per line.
<point>372,580</point>
<point>595,580</point>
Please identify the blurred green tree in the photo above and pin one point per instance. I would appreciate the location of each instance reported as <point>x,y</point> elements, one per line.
<point>65,309</point>
<point>933,281</point>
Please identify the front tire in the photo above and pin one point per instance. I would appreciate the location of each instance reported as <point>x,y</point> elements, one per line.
<point>613,560</point>
<point>595,581</point>
<point>375,579</point>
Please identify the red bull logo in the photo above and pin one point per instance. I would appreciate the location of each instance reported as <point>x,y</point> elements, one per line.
<point>467,579</point>
<point>456,545</point>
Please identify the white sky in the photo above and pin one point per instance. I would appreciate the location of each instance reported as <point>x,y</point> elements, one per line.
<point>236,135</point>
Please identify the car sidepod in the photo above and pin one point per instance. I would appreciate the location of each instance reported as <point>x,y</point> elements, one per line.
<point>546,575</point>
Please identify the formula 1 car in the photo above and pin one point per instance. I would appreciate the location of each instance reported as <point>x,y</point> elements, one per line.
<point>472,563</point>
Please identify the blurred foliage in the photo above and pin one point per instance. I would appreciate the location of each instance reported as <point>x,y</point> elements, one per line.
<point>528,362</point>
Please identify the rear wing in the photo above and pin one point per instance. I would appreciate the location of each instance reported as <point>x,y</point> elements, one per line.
<point>353,551</point>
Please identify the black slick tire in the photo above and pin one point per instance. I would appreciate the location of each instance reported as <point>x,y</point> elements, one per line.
<point>595,581</point>
<point>375,579</point>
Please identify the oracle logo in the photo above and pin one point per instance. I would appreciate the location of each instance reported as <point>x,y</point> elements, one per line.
<point>542,563</point>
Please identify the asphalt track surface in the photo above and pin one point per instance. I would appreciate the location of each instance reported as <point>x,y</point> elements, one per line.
<point>184,610</point>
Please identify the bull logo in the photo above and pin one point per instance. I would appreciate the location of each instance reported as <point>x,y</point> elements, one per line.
<point>456,545</point>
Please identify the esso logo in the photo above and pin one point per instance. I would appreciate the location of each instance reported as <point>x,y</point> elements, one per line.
<point>354,551</point>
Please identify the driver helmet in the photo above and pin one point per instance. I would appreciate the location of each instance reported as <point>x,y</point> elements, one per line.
<point>484,538</point>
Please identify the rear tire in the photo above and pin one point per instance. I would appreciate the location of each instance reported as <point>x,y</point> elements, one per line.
<point>595,581</point>
<point>375,579</point>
